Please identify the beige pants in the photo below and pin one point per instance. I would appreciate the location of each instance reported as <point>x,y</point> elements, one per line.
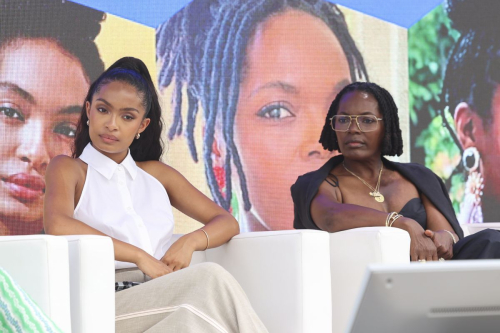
<point>201,298</point>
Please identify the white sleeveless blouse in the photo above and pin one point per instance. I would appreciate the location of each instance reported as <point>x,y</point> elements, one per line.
<point>125,202</point>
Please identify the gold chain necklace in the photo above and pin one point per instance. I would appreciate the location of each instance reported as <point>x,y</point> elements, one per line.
<point>375,193</point>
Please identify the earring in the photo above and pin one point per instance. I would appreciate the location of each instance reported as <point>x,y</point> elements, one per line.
<point>473,187</point>
<point>138,136</point>
<point>470,159</point>
<point>88,122</point>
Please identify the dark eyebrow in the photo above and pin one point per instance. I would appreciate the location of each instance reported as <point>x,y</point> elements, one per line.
<point>18,91</point>
<point>288,88</point>
<point>71,109</point>
<point>122,109</point>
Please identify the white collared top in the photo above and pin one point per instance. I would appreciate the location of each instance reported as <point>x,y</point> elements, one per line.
<point>125,202</point>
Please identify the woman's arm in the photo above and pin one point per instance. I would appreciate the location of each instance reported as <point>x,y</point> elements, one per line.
<point>220,226</point>
<point>439,229</point>
<point>435,220</point>
<point>62,176</point>
<point>329,214</point>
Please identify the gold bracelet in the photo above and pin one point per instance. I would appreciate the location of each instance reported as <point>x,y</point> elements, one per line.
<point>208,239</point>
<point>452,237</point>
<point>394,219</point>
<point>389,217</point>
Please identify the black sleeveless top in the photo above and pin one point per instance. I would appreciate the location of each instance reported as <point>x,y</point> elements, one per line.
<point>305,188</point>
<point>415,210</point>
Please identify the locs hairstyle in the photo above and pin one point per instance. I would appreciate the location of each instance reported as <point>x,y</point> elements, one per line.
<point>134,72</point>
<point>203,48</point>
<point>73,27</point>
<point>473,70</point>
<point>393,143</point>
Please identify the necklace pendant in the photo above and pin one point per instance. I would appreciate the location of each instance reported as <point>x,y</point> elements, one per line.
<point>377,196</point>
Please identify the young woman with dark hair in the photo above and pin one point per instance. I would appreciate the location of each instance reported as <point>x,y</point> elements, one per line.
<point>361,188</point>
<point>48,58</point>
<point>262,71</point>
<point>115,185</point>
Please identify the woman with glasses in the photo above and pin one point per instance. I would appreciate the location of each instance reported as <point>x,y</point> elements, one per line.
<point>360,188</point>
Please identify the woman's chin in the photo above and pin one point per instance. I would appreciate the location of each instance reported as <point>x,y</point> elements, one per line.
<point>16,226</point>
<point>14,212</point>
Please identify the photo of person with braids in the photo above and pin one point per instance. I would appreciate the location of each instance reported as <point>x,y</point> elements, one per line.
<point>469,110</point>
<point>48,59</point>
<point>261,74</point>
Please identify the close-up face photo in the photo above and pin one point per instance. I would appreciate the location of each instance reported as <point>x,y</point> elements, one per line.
<point>456,114</point>
<point>294,67</point>
<point>50,53</point>
<point>38,119</point>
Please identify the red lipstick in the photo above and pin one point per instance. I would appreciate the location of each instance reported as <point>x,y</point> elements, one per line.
<point>25,187</point>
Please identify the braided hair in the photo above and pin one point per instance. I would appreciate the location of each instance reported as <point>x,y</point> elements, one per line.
<point>71,26</point>
<point>473,69</point>
<point>203,48</point>
<point>393,142</point>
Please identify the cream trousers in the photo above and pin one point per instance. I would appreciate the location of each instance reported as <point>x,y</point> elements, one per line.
<point>201,298</point>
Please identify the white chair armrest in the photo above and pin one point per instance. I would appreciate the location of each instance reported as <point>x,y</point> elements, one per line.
<point>350,253</point>
<point>465,229</point>
<point>285,274</point>
<point>39,264</point>
<point>472,228</point>
<point>92,277</point>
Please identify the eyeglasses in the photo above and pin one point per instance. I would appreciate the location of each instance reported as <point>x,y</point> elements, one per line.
<point>366,123</point>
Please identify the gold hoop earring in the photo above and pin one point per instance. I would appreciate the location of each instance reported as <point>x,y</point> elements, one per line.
<point>138,136</point>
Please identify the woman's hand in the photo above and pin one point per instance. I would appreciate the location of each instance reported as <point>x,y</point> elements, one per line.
<point>179,255</point>
<point>421,246</point>
<point>443,241</point>
<point>151,266</point>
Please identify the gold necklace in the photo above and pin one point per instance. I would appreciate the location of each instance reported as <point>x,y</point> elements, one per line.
<point>375,193</point>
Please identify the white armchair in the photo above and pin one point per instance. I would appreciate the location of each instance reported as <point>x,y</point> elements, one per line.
<point>285,274</point>
<point>351,251</point>
<point>295,279</point>
<point>39,264</point>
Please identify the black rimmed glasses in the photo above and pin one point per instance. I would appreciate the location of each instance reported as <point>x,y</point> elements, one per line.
<point>366,123</point>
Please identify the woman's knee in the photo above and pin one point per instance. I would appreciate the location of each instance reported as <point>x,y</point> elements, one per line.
<point>489,236</point>
<point>212,269</point>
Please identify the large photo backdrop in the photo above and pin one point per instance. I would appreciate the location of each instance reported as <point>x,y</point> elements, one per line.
<point>454,67</point>
<point>50,52</point>
<point>245,88</point>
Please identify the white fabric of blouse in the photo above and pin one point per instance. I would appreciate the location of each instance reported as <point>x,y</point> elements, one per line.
<point>125,202</point>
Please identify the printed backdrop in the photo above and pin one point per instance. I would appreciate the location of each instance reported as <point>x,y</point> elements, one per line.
<point>454,75</point>
<point>245,87</point>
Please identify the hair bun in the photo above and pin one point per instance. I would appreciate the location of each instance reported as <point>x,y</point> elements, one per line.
<point>474,15</point>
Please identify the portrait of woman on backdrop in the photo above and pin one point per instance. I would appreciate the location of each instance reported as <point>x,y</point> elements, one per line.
<point>263,73</point>
<point>39,113</point>
<point>460,139</point>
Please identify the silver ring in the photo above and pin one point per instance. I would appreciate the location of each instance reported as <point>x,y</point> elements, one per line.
<point>441,259</point>
<point>422,260</point>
